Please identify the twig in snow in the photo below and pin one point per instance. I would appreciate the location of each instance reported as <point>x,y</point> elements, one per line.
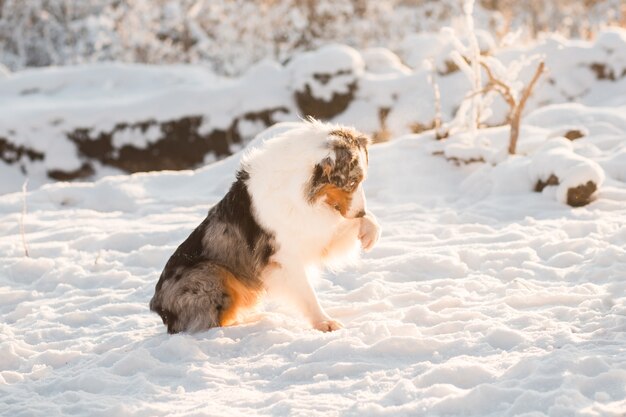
<point>439,133</point>
<point>517,114</point>
<point>23,216</point>
<point>474,55</point>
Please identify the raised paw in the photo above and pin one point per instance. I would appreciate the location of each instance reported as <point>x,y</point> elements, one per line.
<point>329,325</point>
<point>369,232</point>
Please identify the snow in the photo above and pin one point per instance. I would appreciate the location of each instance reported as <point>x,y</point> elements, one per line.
<point>616,165</point>
<point>327,71</point>
<point>483,298</point>
<point>136,137</point>
<point>383,61</point>
<point>39,109</point>
<point>556,157</point>
<point>472,304</point>
<point>595,152</point>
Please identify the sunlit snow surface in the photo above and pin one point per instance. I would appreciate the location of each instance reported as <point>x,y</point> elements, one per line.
<point>472,304</point>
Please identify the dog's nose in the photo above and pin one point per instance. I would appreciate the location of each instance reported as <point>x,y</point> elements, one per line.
<point>360,214</point>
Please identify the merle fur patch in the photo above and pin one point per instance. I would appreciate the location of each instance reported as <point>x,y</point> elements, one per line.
<point>342,171</point>
<point>190,293</point>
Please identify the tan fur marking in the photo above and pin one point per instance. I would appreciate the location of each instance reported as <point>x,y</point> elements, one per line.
<point>335,197</point>
<point>241,297</point>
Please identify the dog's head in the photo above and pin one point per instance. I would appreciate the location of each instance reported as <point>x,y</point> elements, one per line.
<point>337,180</point>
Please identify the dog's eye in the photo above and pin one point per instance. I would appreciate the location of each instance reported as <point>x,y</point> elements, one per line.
<point>337,207</point>
<point>352,184</point>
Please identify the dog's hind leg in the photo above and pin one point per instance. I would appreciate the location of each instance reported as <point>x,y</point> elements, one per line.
<point>192,299</point>
<point>201,297</point>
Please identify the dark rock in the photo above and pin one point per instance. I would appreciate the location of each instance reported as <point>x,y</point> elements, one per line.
<point>573,134</point>
<point>576,196</point>
<point>552,180</point>
<point>180,145</point>
<point>11,153</point>
<point>581,195</point>
<point>602,72</point>
<point>459,161</point>
<point>309,105</point>
<point>450,67</point>
<point>85,170</point>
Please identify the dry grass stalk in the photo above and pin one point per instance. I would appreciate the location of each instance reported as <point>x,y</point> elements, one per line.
<point>23,216</point>
<point>437,124</point>
<point>384,134</point>
<point>516,106</point>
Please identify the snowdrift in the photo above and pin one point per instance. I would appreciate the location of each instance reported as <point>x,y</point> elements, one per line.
<point>92,120</point>
<point>566,151</point>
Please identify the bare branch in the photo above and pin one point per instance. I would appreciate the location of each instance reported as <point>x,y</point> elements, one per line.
<point>516,113</point>
<point>504,89</point>
<point>528,90</point>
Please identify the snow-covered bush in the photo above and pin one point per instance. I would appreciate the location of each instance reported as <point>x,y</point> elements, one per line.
<point>576,178</point>
<point>569,171</point>
<point>555,163</point>
<point>472,58</point>
<point>383,61</point>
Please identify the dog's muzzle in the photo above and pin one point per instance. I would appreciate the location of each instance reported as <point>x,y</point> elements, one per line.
<point>360,214</point>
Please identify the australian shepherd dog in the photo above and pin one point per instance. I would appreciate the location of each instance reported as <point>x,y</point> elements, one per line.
<point>297,205</point>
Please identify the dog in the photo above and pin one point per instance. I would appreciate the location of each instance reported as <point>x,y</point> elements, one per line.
<point>297,204</point>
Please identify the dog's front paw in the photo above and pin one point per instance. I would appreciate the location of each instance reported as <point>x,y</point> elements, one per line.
<point>329,325</point>
<point>369,232</point>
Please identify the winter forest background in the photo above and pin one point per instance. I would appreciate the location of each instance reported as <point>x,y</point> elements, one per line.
<point>497,173</point>
<point>229,36</point>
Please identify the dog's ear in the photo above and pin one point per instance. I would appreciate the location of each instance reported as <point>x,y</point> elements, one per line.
<point>349,137</point>
<point>363,141</point>
<point>341,166</point>
<point>322,173</point>
<point>326,167</point>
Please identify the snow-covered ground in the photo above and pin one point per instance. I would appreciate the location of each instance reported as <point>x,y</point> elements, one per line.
<point>480,300</point>
<point>483,298</point>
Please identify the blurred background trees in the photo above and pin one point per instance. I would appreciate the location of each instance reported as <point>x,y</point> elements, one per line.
<point>230,35</point>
